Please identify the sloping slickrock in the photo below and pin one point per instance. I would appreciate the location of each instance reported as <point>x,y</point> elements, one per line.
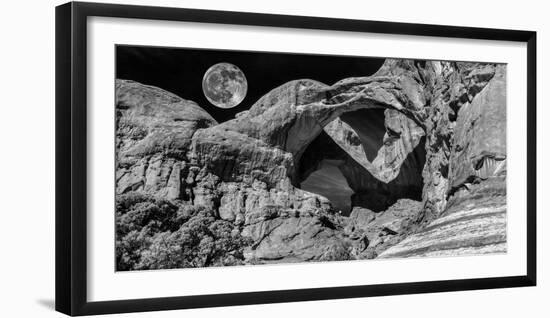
<point>382,229</point>
<point>474,223</point>
<point>474,231</point>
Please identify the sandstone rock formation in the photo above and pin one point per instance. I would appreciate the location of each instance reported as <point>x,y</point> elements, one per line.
<point>419,143</point>
<point>474,223</point>
<point>154,131</point>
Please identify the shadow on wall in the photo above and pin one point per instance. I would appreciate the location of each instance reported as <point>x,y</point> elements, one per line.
<point>369,125</point>
<point>378,196</point>
<point>47,303</point>
<point>329,182</point>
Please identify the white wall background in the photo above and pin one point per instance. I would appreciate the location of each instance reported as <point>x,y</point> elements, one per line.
<point>27,158</point>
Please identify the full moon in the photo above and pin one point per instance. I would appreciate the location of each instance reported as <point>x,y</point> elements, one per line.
<point>224,85</point>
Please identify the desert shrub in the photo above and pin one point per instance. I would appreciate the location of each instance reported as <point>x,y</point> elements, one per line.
<point>135,211</point>
<point>201,241</point>
<point>155,233</point>
<point>130,247</point>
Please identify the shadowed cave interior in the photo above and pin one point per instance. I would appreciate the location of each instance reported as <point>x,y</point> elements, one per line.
<point>326,169</point>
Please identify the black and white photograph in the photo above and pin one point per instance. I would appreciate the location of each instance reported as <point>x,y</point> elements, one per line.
<point>275,159</point>
<point>226,158</point>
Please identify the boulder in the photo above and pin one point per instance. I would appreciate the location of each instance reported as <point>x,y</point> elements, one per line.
<point>296,239</point>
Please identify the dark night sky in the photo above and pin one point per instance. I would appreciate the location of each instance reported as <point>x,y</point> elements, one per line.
<point>180,71</point>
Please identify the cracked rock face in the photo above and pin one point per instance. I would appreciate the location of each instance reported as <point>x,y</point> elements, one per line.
<point>480,134</point>
<point>418,142</point>
<point>154,131</point>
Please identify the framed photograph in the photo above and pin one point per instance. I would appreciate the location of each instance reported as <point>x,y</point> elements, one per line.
<point>209,158</point>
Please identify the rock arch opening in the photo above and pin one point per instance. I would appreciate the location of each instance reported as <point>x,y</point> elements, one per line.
<point>319,172</point>
<point>390,168</point>
<point>329,182</point>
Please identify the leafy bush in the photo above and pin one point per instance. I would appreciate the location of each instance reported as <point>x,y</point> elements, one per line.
<point>157,234</point>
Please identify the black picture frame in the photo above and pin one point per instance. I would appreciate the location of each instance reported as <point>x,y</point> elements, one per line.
<point>71,157</point>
